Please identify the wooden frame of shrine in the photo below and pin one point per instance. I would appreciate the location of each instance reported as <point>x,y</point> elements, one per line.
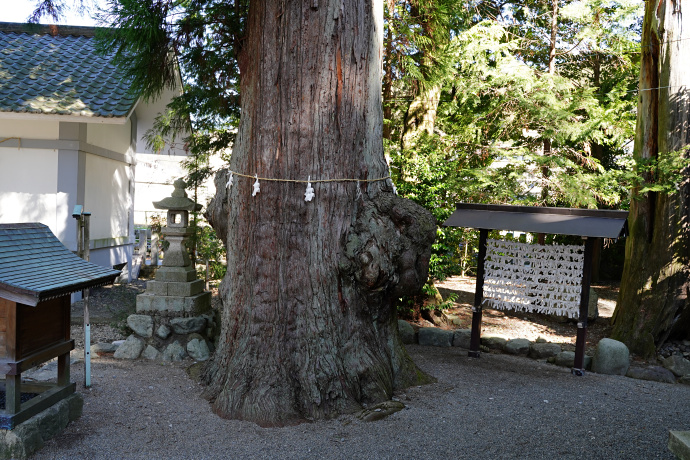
<point>586,223</point>
<point>37,276</point>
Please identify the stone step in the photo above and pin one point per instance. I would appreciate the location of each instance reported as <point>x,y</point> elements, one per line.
<point>679,444</point>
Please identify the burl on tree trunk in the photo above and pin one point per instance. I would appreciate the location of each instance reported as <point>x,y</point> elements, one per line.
<point>653,301</point>
<point>308,326</point>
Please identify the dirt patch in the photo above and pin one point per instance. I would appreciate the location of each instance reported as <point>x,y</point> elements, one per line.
<point>526,325</point>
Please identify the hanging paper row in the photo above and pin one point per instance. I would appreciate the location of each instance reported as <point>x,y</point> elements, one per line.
<point>533,278</point>
<point>309,192</point>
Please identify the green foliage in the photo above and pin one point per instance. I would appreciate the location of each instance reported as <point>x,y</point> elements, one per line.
<point>194,43</point>
<point>504,130</point>
<point>210,248</point>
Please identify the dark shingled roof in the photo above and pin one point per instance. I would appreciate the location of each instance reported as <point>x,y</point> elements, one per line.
<point>35,266</point>
<point>56,70</point>
<point>553,221</point>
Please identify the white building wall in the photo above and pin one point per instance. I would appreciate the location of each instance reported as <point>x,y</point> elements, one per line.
<point>28,187</point>
<point>29,129</point>
<point>115,138</point>
<point>107,197</point>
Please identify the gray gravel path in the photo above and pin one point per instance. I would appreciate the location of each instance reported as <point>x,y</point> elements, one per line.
<point>497,407</point>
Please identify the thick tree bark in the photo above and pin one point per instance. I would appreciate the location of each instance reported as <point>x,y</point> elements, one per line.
<point>308,328</point>
<point>652,304</point>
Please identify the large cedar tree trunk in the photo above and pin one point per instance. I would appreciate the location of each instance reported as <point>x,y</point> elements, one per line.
<point>308,326</point>
<point>652,304</point>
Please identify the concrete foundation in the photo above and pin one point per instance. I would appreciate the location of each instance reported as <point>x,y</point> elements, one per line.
<point>29,436</point>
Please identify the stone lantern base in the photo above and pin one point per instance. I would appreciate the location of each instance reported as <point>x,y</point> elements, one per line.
<point>175,289</point>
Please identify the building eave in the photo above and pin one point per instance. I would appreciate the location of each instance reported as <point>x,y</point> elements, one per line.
<point>66,118</point>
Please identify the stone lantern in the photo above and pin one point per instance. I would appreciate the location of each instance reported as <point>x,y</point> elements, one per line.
<point>174,318</point>
<point>176,287</point>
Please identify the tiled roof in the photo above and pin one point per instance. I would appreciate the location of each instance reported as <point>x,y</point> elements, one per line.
<point>34,265</point>
<point>44,70</point>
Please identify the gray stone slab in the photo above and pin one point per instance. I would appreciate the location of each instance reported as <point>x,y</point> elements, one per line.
<point>169,303</point>
<point>653,373</point>
<point>432,336</point>
<point>157,288</point>
<point>188,289</point>
<point>198,304</point>
<point>517,347</point>
<point>406,332</point>
<point>544,350</point>
<point>462,338</point>
<point>679,444</point>
<point>179,274</point>
<point>494,342</point>
<point>144,302</point>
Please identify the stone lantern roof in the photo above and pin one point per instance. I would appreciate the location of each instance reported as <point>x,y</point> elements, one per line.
<point>178,201</point>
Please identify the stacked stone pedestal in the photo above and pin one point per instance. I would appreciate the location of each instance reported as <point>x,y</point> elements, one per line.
<point>169,336</point>
<point>174,317</point>
<point>175,289</point>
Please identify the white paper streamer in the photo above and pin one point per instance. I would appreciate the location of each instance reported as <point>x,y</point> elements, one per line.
<point>533,278</point>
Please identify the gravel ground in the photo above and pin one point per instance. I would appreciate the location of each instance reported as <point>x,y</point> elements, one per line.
<point>498,406</point>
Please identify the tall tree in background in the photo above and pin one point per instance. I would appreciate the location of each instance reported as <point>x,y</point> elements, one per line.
<point>653,300</point>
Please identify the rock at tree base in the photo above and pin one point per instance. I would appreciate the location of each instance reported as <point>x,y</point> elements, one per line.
<point>130,348</point>
<point>103,347</point>
<point>654,373</point>
<point>406,332</point>
<point>677,364</point>
<point>188,325</point>
<point>611,357</point>
<point>197,348</point>
<point>494,342</point>
<point>431,336</point>
<point>567,359</point>
<point>141,324</point>
<point>462,338</point>
<point>150,353</point>
<point>174,352</point>
<point>517,346</point>
<point>380,411</point>
<point>544,350</point>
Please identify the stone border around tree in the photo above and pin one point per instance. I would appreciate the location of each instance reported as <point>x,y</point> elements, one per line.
<point>611,356</point>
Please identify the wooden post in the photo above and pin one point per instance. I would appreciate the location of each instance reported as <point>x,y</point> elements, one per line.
<point>579,367</point>
<point>13,393</point>
<point>478,297</point>
<point>154,250</point>
<point>86,218</point>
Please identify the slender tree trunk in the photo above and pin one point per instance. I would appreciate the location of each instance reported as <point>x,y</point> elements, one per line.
<point>545,172</point>
<point>421,115</point>
<point>308,329</point>
<point>652,304</point>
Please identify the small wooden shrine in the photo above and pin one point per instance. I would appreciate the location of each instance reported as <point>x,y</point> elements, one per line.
<point>37,276</point>
<point>536,277</point>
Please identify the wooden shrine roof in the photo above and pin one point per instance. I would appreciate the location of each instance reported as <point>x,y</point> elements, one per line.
<point>36,266</point>
<point>553,221</point>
